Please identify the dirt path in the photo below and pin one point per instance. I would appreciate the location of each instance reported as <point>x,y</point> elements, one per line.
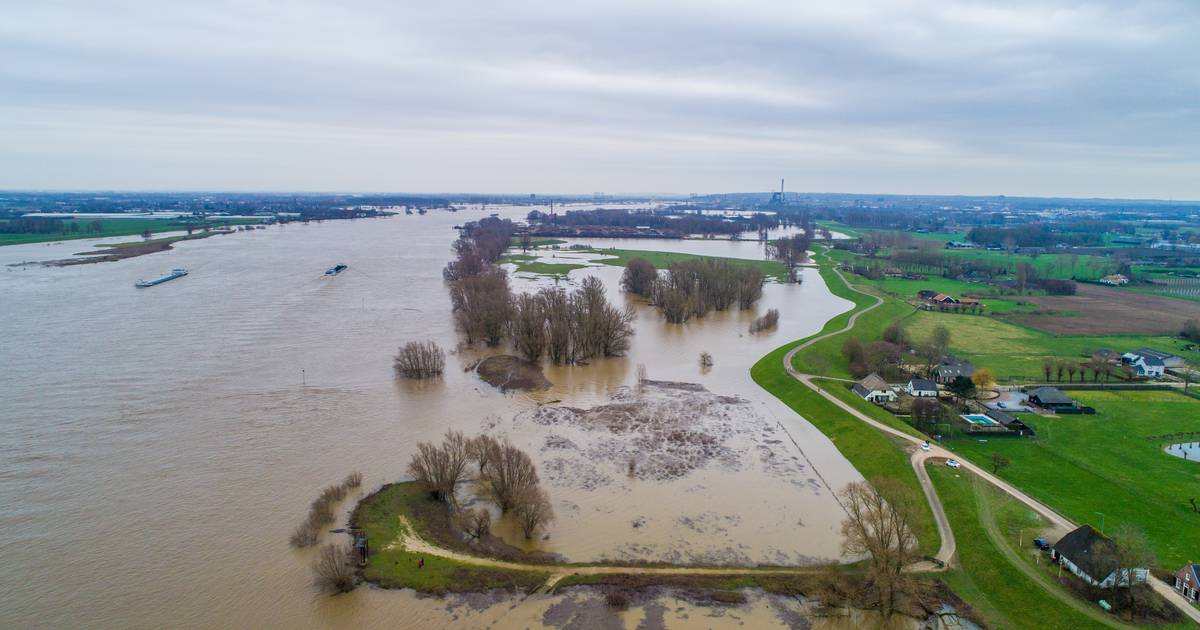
<point>1059,521</point>
<point>411,542</point>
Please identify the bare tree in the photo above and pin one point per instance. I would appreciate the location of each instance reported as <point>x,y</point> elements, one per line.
<point>440,468</point>
<point>1131,552</point>
<point>706,360</point>
<point>420,359</point>
<point>481,305</point>
<point>527,327</point>
<point>560,332</point>
<point>477,523</point>
<point>353,480</point>
<point>510,474</point>
<point>484,449</point>
<point>334,569</point>
<point>639,277</point>
<point>533,510</point>
<point>877,524</point>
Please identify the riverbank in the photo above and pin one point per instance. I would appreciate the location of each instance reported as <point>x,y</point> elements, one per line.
<point>88,227</point>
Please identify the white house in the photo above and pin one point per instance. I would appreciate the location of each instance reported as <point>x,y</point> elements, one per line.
<point>874,389</point>
<point>921,387</point>
<point>1091,556</point>
<point>1148,363</point>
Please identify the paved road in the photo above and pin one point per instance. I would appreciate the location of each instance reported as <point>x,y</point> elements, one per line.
<point>1061,523</point>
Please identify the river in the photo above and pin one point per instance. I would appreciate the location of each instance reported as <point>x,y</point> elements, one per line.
<point>157,446</point>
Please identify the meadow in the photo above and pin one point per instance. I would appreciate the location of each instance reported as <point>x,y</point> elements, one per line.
<point>1085,466</point>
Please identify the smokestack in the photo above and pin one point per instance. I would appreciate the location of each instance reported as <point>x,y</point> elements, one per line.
<point>780,186</point>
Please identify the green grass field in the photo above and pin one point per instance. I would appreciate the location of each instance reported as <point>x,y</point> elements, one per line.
<point>109,228</point>
<point>1081,465</point>
<point>988,579</point>
<point>770,268</point>
<point>391,566</point>
<point>1016,352</point>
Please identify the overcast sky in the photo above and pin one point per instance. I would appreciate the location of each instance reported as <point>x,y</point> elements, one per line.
<point>1084,98</point>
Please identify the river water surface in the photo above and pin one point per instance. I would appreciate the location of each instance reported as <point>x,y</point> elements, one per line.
<point>157,446</point>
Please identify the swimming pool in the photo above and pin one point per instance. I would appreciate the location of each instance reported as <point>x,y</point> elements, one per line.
<point>979,419</point>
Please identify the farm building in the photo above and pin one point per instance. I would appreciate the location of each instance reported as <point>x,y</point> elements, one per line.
<point>1187,582</point>
<point>1090,555</point>
<point>921,387</point>
<point>1050,398</point>
<point>1010,422</point>
<point>951,368</point>
<point>926,294</point>
<point>1145,366</point>
<point>874,389</point>
<point>942,298</point>
<point>1115,279</point>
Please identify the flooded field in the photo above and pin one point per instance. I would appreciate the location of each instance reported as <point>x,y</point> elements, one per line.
<point>159,445</point>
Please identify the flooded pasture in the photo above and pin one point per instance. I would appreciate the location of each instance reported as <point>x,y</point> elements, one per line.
<point>159,445</point>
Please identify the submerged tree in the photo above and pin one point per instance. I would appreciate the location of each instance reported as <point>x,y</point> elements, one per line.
<point>420,359</point>
<point>440,468</point>
<point>533,510</point>
<point>639,277</point>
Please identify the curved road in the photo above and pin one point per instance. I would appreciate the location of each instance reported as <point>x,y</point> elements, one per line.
<point>1060,522</point>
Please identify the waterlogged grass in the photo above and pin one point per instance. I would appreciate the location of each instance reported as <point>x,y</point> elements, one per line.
<point>391,566</point>
<point>526,263</point>
<point>1081,465</point>
<point>1007,597</point>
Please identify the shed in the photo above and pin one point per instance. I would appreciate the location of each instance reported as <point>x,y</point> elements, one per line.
<point>1050,398</point>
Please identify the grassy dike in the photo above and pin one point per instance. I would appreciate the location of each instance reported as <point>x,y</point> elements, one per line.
<point>390,565</point>
<point>870,452</point>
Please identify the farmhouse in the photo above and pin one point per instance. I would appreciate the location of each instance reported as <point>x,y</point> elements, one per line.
<point>921,387</point>
<point>1187,582</point>
<point>1050,398</point>
<point>874,389</point>
<point>969,302</point>
<point>926,294</point>
<point>951,368</point>
<point>1168,360</point>
<point>1091,556</point>
<point>942,298</point>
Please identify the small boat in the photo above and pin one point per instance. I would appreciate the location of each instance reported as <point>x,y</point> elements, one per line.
<point>175,273</point>
<point>420,210</point>
<point>408,211</point>
<point>336,269</point>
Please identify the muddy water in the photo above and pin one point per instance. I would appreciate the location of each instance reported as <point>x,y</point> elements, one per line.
<point>158,445</point>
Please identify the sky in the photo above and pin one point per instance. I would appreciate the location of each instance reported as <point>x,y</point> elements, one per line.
<point>1086,99</point>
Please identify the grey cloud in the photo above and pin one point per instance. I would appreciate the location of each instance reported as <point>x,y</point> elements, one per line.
<point>962,97</point>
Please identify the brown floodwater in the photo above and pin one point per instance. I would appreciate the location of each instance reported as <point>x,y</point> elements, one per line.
<point>157,446</point>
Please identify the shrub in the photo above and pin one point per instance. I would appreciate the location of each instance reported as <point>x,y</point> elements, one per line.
<point>766,322</point>
<point>420,359</point>
<point>616,601</point>
<point>334,568</point>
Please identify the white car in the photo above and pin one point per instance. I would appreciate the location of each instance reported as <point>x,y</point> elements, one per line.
<point>953,463</point>
<point>924,446</point>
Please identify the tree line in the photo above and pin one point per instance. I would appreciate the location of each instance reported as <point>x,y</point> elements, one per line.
<point>692,288</point>
<point>565,326</point>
